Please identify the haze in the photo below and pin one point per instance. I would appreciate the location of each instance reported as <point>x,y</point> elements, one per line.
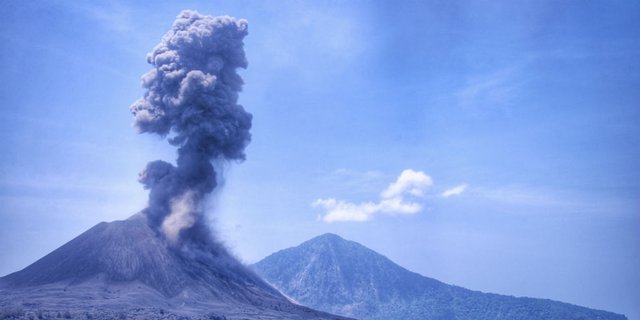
<point>517,123</point>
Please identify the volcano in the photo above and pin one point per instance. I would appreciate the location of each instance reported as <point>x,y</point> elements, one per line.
<point>124,269</point>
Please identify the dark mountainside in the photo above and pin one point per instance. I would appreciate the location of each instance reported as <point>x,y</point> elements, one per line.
<point>123,269</point>
<point>343,277</point>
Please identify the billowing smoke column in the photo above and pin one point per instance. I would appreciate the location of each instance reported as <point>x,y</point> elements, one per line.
<point>191,97</point>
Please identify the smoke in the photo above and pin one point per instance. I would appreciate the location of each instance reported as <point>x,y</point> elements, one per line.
<point>191,98</point>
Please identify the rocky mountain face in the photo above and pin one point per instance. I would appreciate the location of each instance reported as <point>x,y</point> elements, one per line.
<point>123,269</point>
<point>343,277</point>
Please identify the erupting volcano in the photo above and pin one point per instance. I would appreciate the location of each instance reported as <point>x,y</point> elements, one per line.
<point>165,262</point>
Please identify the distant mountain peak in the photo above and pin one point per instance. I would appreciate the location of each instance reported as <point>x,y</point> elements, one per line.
<point>328,270</point>
<point>327,237</point>
<point>338,245</point>
<point>344,277</point>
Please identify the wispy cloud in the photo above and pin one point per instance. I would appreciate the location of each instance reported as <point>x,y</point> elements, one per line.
<point>360,181</point>
<point>530,197</point>
<point>455,191</point>
<point>55,184</point>
<point>402,197</point>
<point>115,15</point>
<point>495,89</point>
<point>330,34</point>
<point>64,55</point>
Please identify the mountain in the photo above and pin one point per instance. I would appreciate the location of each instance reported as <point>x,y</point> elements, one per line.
<point>343,277</point>
<point>123,269</point>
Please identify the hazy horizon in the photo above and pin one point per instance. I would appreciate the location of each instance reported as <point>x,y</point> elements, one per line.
<point>490,145</point>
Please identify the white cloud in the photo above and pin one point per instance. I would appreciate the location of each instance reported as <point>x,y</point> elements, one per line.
<point>401,197</point>
<point>409,181</point>
<point>398,206</point>
<point>345,211</point>
<point>455,191</point>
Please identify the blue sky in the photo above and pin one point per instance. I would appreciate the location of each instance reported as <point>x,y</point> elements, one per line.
<point>533,105</point>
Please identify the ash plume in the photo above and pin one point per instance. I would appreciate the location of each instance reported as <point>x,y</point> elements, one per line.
<point>191,98</point>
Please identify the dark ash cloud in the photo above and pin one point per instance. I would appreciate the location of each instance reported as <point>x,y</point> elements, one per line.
<point>192,99</point>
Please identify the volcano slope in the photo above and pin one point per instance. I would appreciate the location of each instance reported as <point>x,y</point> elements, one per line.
<point>123,269</point>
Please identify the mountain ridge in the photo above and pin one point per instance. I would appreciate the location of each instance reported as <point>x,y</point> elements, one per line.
<point>344,277</point>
